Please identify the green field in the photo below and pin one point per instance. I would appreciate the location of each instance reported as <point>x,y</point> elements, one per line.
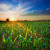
<point>26,35</point>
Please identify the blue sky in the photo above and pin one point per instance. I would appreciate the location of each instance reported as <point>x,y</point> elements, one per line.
<point>15,8</point>
<point>36,4</point>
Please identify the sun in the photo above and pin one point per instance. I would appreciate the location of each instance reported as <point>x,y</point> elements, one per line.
<point>12,19</point>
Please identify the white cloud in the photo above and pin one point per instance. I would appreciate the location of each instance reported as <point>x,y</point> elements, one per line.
<point>11,10</point>
<point>5,7</point>
<point>28,12</point>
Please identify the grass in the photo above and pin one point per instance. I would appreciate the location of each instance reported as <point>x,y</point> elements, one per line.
<point>26,35</point>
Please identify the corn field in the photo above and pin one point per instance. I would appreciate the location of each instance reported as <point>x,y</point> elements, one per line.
<point>26,35</point>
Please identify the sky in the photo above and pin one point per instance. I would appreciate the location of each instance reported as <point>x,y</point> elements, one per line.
<point>24,9</point>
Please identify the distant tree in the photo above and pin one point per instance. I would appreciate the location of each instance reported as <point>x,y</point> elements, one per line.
<point>17,20</point>
<point>25,20</point>
<point>0,20</point>
<point>7,19</point>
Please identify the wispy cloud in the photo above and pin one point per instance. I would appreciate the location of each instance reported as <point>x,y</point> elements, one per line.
<point>48,9</point>
<point>28,12</point>
<point>6,9</point>
<point>14,0</point>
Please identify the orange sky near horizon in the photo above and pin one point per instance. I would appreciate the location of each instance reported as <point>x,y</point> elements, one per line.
<point>36,17</point>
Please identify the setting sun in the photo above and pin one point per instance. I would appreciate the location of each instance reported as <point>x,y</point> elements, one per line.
<point>12,19</point>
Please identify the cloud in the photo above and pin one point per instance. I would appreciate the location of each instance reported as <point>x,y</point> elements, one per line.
<point>14,0</point>
<point>29,12</point>
<point>7,9</point>
<point>48,9</point>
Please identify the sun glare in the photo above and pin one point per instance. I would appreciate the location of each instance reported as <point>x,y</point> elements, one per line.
<point>12,19</point>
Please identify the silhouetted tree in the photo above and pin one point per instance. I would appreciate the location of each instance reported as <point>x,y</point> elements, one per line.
<point>25,20</point>
<point>7,19</point>
<point>17,20</point>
